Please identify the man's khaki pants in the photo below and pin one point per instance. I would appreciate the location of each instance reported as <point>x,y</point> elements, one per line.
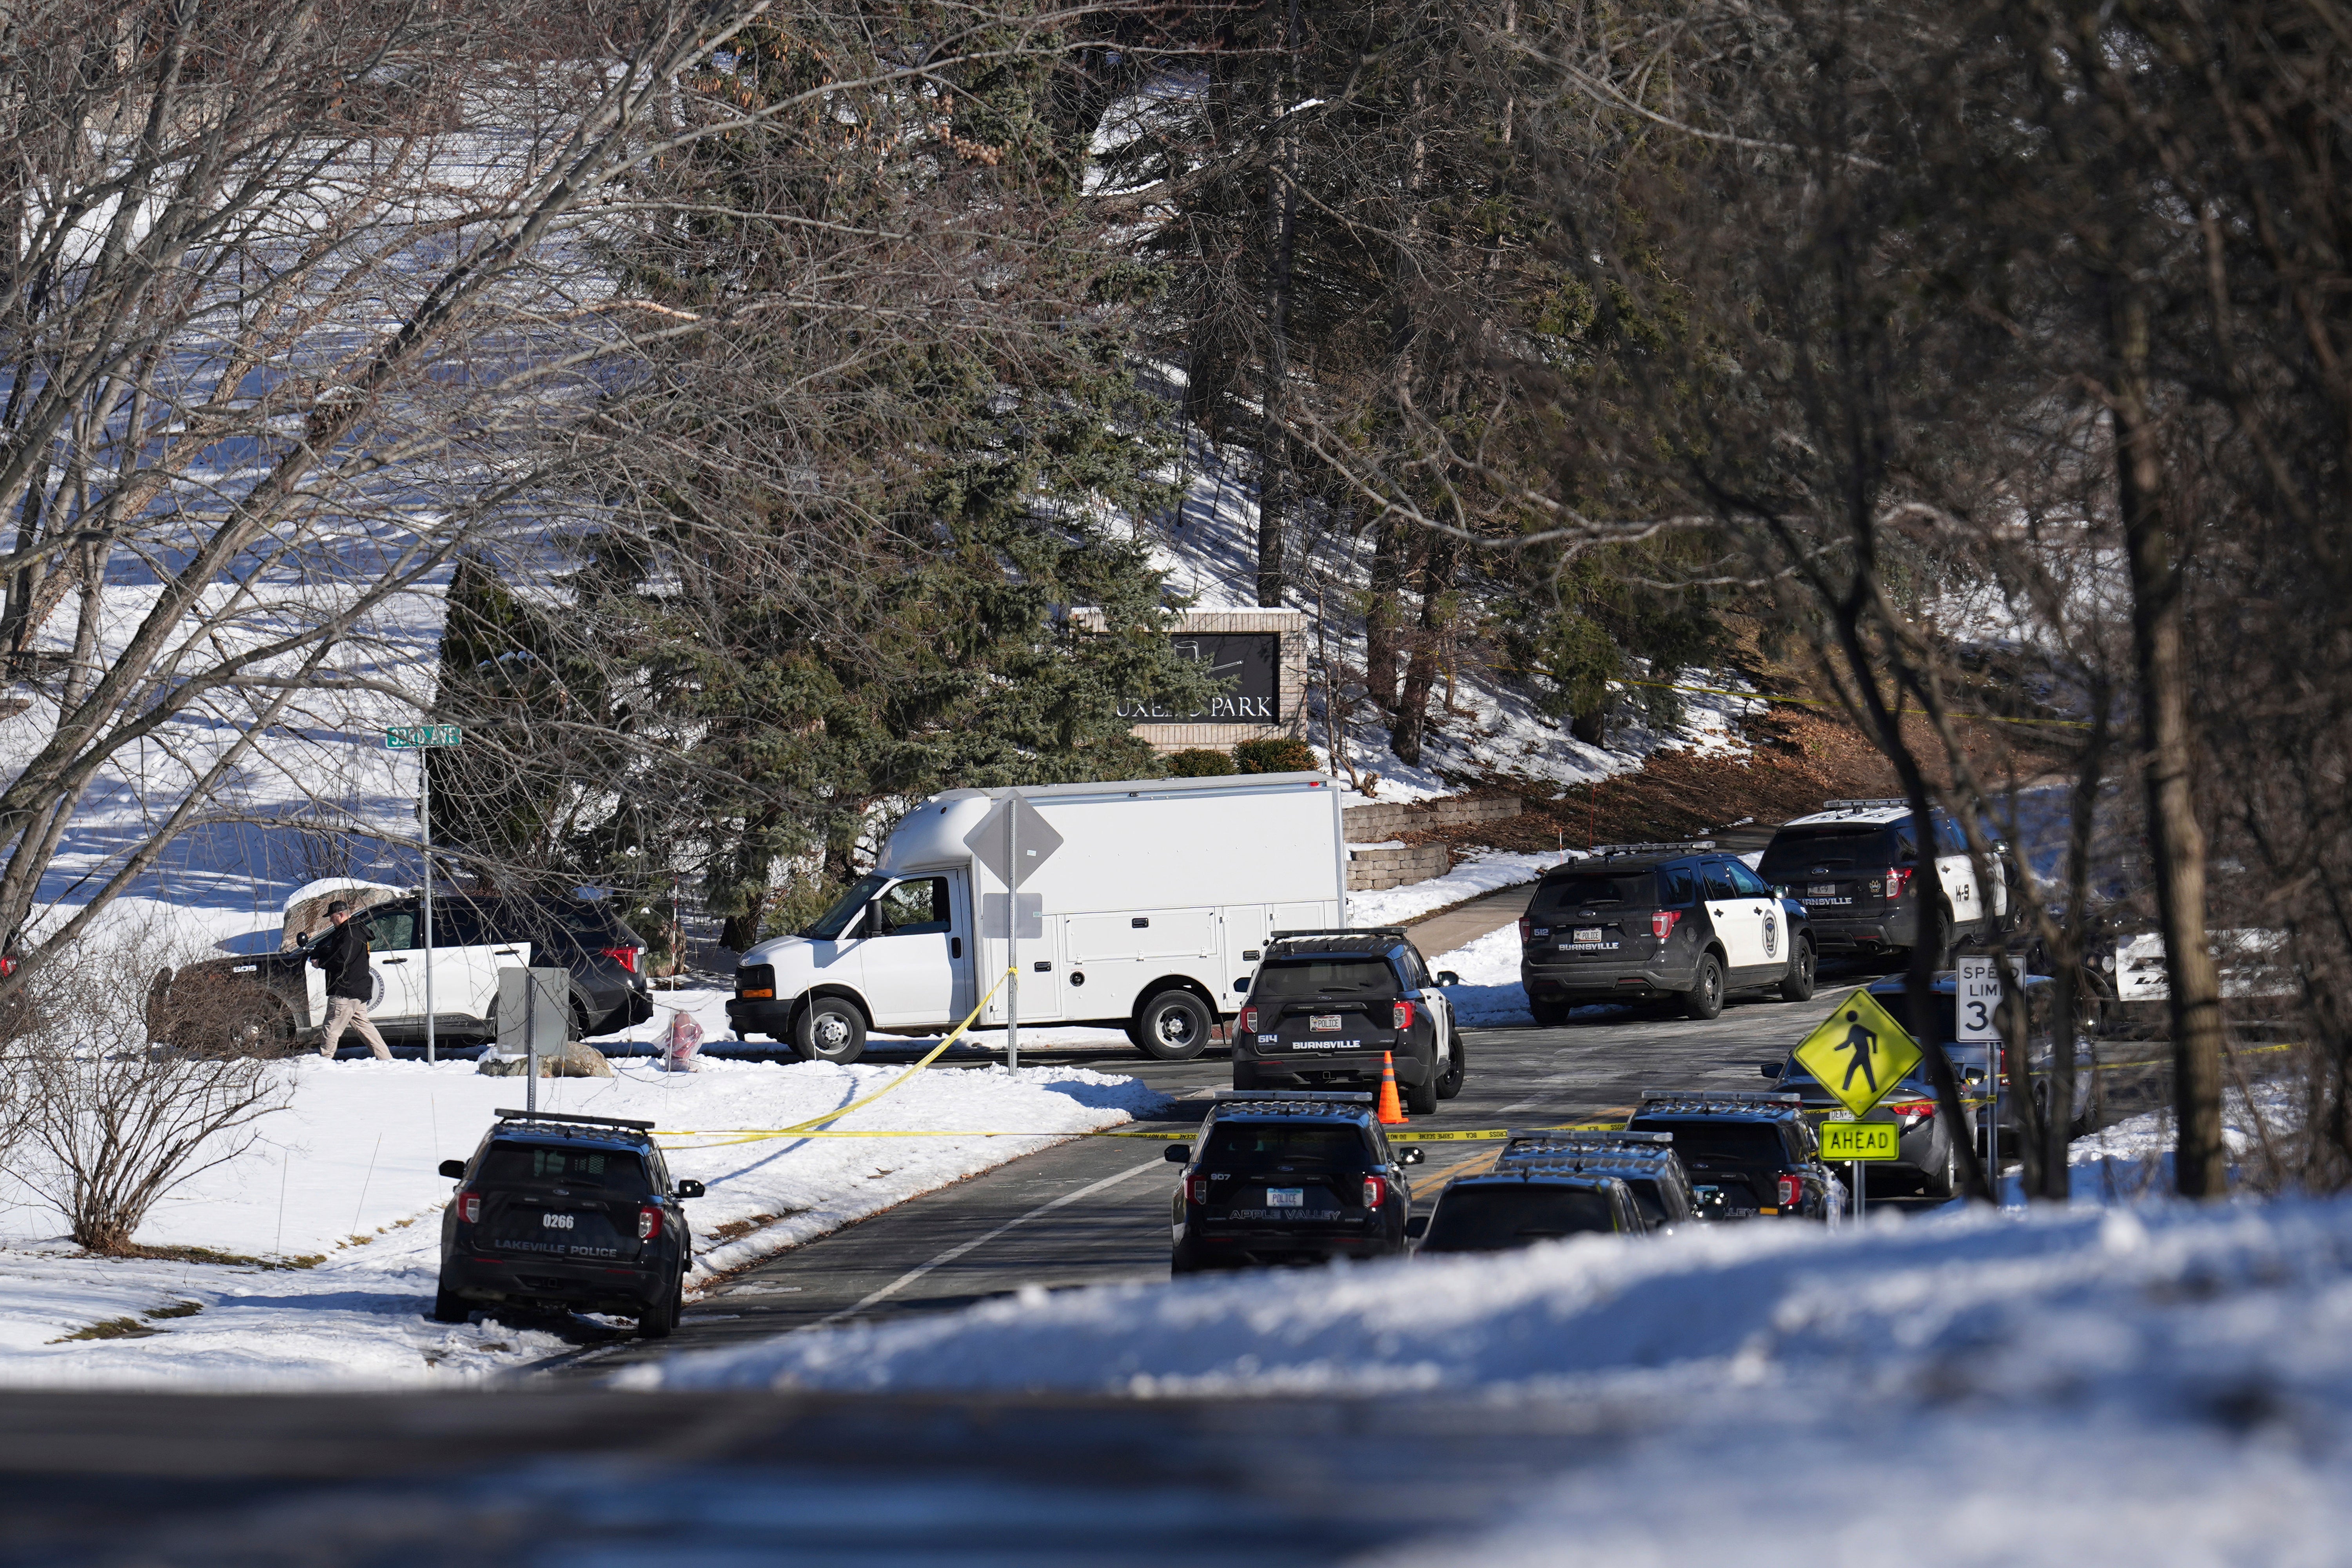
<point>350,1012</point>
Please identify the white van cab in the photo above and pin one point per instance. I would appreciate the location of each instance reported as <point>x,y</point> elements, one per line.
<point>1145,907</point>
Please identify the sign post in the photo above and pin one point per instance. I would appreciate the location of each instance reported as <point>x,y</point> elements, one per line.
<point>1976,998</point>
<point>998,843</point>
<point>416,737</point>
<point>1859,1039</point>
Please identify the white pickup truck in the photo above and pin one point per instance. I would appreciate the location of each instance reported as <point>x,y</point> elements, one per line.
<point>1147,907</point>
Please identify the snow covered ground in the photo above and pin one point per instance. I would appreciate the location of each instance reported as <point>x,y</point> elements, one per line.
<point>1485,871</point>
<point>336,1210</point>
<point>2156,1383</point>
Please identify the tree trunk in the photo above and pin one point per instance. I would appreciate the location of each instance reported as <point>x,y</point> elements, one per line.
<point>2175,842</point>
<point>1281,214</point>
<point>1384,615</point>
<point>1421,671</point>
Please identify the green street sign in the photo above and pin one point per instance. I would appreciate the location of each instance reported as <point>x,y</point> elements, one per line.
<point>414,737</point>
<point>1861,1140</point>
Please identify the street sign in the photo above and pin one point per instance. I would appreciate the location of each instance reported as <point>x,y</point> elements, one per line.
<point>1859,1053</point>
<point>1031,837</point>
<point>1861,1140</point>
<point>1976,992</point>
<point>414,737</point>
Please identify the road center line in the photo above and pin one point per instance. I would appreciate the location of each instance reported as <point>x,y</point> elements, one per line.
<point>952,1253</point>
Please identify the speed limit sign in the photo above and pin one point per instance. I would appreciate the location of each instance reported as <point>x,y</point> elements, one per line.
<point>1976,991</point>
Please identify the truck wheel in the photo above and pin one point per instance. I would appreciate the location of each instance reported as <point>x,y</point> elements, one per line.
<point>659,1321</point>
<point>1705,998</point>
<point>1245,1076</point>
<point>1420,1098</point>
<point>448,1307</point>
<point>1548,1014</point>
<point>829,1029</point>
<point>1449,1084</point>
<point>1798,986</point>
<point>1173,1027</point>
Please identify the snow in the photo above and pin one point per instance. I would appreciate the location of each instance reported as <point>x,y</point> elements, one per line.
<point>1485,871</point>
<point>341,1187</point>
<point>2156,1383</point>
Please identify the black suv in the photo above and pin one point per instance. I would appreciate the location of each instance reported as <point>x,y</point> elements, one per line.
<point>266,1002</point>
<point>1646,1161</point>
<point>1289,1178</point>
<point>1747,1154</point>
<point>566,1213</point>
<point>1640,922</point>
<point>1325,1005</point>
<point>1506,1209</point>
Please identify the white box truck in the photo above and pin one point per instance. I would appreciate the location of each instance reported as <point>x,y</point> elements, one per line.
<point>1146,903</point>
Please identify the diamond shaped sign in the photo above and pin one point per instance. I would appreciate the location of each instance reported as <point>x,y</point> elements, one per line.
<point>1031,835</point>
<point>1859,1053</point>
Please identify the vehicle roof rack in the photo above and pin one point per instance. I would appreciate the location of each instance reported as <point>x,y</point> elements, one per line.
<point>1741,1096</point>
<point>1668,1102</point>
<point>1587,1135</point>
<point>565,1115</point>
<point>1340,930</point>
<point>1562,1169</point>
<point>1680,846</point>
<point>1232,1096</point>
<point>1889,804</point>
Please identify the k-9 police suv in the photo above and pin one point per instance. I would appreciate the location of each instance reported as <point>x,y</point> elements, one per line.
<point>1335,1007</point>
<point>1636,922</point>
<point>1146,905</point>
<point>1851,864</point>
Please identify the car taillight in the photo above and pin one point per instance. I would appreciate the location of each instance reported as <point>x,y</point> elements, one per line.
<point>626,957</point>
<point>1899,881</point>
<point>469,1207</point>
<point>1662,924</point>
<point>1792,1190</point>
<point>1197,1189</point>
<point>1527,929</point>
<point>8,965</point>
<point>1400,1016</point>
<point>648,1222</point>
<point>1376,1192</point>
<point>1249,1020</point>
<point>1914,1109</point>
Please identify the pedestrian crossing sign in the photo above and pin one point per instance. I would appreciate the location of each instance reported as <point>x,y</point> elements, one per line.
<point>1859,1054</point>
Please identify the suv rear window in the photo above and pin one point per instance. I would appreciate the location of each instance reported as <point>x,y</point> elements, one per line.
<point>1594,889</point>
<point>1496,1218</point>
<point>1264,1148</point>
<point>529,1167</point>
<point>1795,851</point>
<point>1286,978</point>
<point>1752,1143</point>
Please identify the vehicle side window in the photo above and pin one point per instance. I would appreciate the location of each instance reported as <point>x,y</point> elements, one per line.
<point>456,925</point>
<point>1415,977</point>
<point>1719,880</point>
<point>1906,847</point>
<point>392,930</point>
<point>1678,889</point>
<point>916,908</point>
<point>1949,839</point>
<point>1748,883</point>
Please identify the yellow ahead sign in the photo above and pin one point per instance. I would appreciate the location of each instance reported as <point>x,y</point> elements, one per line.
<point>1861,1140</point>
<point>1859,1054</point>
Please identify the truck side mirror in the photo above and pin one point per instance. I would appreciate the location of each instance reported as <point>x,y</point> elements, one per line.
<point>1411,1154</point>
<point>689,1188</point>
<point>1771,1069</point>
<point>1416,1227</point>
<point>453,1169</point>
<point>1447,977</point>
<point>1177,1154</point>
<point>1243,983</point>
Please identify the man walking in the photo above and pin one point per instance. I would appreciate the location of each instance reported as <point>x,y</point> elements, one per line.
<point>342,953</point>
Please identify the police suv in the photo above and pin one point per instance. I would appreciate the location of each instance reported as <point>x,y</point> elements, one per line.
<point>1288,1177</point>
<point>1852,863</point>
<point>1646,1161</point>
<point>1635,922</point>
<point>1749,1154</point>
<point>1331,1006</point>
<point>1510,1208</point>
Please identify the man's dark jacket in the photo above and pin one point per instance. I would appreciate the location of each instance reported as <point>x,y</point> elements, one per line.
<point>342,953</point>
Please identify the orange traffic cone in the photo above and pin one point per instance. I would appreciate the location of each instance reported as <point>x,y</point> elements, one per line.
<point>1392,1114</point>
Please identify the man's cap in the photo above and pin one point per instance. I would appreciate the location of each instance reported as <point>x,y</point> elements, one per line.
<point>339,908</point>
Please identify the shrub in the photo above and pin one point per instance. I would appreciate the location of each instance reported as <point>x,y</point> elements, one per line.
<point>1198,764</point>
<point>1284,756</point>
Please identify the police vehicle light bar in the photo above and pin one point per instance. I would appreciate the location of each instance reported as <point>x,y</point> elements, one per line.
<point>1722,1096</point>
<point>1607,851</point>
<point>1230,1096</point>
<point>1586,1135</point>
<point>1864,804</point>
<point>1342,930</point>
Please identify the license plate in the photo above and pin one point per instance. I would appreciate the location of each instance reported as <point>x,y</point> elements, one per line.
<point>1585,933</point>
<point>1822,889</point>
<point>1285,1197</point>
<point>1324,1021</point>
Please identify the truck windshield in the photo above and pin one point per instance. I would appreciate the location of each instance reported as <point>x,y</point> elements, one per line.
<point>1263,1148</point>
<point>830,925</point>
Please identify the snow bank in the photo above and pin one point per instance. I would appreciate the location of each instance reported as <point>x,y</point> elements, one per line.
<point>1485,871</point>
<point>345,1173</point>
<point>2159,1384</point>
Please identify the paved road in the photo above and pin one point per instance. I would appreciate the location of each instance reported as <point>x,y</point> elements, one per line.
<point>1095,1211</point>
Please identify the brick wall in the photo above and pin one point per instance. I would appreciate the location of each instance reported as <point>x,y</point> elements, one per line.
<point>1371,823</point>
<point>1372,870</point>
<point>1290,681</point>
